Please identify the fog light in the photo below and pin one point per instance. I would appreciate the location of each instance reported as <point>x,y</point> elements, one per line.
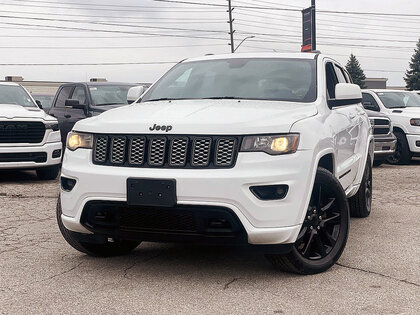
<point>270,192</point>
<point>56,153</point>
<point>417,143</point>
<point>67,184</point>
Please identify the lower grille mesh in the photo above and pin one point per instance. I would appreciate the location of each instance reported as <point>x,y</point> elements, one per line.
<point>157,220</point>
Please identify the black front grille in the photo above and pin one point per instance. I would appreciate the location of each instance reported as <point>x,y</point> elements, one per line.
<point>166,151</point>
<point>381,127</point>
<point>37,157</point>
<point>21,132</point>
<point>381,122</point>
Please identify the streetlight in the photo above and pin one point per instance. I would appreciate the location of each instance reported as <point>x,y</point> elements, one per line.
<point>248,37</point>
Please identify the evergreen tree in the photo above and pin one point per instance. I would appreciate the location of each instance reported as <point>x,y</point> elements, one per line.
<point>412,76</point>
<point>356,72</point>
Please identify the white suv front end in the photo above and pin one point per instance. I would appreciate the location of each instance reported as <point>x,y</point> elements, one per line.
<point>267,170</point>
<point>29,138</point>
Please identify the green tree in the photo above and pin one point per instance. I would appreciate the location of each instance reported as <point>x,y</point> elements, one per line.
<point>412,76</point>
<point>356,71</point>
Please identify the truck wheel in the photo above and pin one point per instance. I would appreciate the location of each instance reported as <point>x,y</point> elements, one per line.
<point>48,173</point>
<point>116,248</point>
<point>361,203</point>
<point>324,231</point>
<point>377,163</point>
<point>402,155</point>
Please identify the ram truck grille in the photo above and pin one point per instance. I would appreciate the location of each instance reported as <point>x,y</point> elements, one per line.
<point>21,132</point>
<point>382,126</point>
<point>166,151</point>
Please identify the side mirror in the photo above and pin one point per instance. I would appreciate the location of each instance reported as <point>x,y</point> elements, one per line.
<point>38,103</point>
<point>134,93</point>
<point>346,94</point>
<point>74,104</point>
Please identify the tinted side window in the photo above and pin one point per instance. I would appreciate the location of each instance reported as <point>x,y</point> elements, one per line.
<point>340,74</point>
<point>368,99</point>
<point>331,79</point>
<point>347,75</point>
<point>63,96</point>
<point>79,94</point>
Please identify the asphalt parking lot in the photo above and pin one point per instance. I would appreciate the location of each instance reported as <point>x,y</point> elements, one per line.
<point>39,273</point>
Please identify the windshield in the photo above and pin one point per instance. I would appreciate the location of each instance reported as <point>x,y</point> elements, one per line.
<point>46,100</point>
<point>109,94</point>
<point>15,94</point>
<point>257,79</point>
<point>399,99</point>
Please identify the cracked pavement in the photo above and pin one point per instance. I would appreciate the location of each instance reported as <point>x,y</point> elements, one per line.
<point>39,273</point>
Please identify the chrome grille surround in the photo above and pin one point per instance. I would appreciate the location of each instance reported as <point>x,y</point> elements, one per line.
<point>166,151</point>
<point>382,126</point>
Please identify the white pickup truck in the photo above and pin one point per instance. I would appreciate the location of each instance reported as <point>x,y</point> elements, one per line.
<point>269,150</point>
<point>29,138</point>
<point>403,109</point>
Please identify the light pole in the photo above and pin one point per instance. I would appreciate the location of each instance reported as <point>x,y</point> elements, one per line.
<point>248,37</point>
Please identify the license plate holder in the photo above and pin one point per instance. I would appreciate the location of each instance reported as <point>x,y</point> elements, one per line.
<point>151,192</point>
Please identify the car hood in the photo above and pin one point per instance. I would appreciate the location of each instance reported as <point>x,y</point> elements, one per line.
<point>200,117</point>
<point>12,111</point>
<point>407,111</point>
<point>372,114</point>
<point>96,110</point>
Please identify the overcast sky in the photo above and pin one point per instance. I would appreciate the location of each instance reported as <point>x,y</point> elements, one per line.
<point>383,44</point>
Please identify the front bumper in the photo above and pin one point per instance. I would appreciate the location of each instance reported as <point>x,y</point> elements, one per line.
<point>414,142</point>
<point>385,146</point>
<point>265,222</point>
<point>19,157</point>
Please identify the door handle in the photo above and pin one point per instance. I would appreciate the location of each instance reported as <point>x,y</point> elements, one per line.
<point>67,115</point>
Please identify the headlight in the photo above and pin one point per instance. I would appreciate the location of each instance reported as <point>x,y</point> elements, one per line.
<point>77,140</point>
<point>52,125</point>
<point>415,122</point>
<point>276,144</point>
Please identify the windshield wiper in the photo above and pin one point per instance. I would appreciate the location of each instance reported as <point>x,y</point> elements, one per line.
<point>160,99</point>
<point>108,104</point>
<point>223,98</point>
<point>398,107</point>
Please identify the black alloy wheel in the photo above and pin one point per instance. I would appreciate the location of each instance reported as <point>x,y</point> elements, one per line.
<point>321,227</point>
<point>368,188</point>
<point>323,235</point>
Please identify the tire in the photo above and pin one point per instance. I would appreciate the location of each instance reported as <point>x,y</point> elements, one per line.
<point>116,248</point>
<point>402,155</point>
<point>361,203</point>
<point>378,163</point>
<point>324,232</point>
<point>48,173</point>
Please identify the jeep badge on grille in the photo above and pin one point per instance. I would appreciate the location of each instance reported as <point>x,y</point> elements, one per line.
<point>163,128</point>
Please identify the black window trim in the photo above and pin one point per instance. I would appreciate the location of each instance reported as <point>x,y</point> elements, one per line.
<point>83,86</point>
<point>72,86</point>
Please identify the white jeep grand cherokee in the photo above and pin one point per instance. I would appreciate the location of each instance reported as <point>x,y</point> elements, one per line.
<point>29,138</point>
<point>261,149</point>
